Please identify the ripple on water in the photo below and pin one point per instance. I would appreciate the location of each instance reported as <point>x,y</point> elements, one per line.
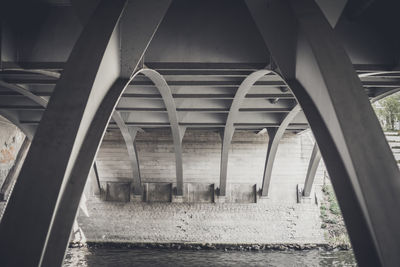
<point>164,257</point>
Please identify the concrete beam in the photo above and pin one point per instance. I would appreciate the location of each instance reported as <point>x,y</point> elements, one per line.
<point>312,170</point>
<point>229,129</point>
<point>129,136</point>
<point>311,59</point>
<point>275,136</point>
<point>57,141</point>
<point>13,172</point>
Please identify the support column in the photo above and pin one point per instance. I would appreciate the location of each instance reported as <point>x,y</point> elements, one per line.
<point>312,170</point>
<point>13,172</point>
<point>229,129</point>
<point>177,131</point>
<point>129,138</point>
<point>321,76</point>
<point>275,136</point>
<point>146,25</point>
<point>29,213</point>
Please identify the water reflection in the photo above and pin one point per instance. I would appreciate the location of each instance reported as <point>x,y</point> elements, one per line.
<point>163,257</point>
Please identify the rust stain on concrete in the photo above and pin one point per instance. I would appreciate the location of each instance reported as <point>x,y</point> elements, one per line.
<point>7,155</point>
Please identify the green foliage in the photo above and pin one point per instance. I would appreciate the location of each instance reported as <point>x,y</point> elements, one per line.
<point>334,208</point>
<point>388,111</point>
<point>330,221</point>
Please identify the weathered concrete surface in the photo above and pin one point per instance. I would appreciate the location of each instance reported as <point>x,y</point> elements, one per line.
<point>202,222</point>
<point>201,158</point>
<point>198,192</point>
<point>158,192</point>
<point>11,139</point>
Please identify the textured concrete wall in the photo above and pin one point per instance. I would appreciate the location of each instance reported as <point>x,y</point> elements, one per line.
<point>201,160</point>
<point>202,222</point>
<point>11,139</point>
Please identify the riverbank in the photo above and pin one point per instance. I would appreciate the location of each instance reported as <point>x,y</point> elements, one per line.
<point>208,246</point>
<point>335,231</point>
<point>202,223</point>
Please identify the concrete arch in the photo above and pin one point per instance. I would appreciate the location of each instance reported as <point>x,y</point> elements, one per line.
<point>70,198</point>
<point>129,138</point>
<point>316,155</point>
<point>311,59</point>
<point>275,135</point>
<point>312,170</point>
<point>69,129</point>
<point>12,116</point>
<point>25,92</point>
<point>177,131</point>
<point>229,129</point>
<point>57,141</point>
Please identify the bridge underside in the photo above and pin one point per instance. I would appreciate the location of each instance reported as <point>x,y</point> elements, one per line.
<point>69,71</point>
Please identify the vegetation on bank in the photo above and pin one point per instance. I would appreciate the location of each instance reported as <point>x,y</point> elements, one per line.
<point>388,112</point>
<point>332,220</point>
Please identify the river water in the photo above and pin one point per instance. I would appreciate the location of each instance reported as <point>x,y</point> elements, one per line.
<point>165,257</point>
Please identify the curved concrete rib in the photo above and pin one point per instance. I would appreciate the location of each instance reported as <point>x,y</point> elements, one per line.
<point>348,133</point>
<point>129,138</point>
<point>316,155</point>
<point>177,132</point>
<point>69,199</point>
<point>12,116</point>
<point>388,93</point>
<point>28,131</point>
<point>23,91</point>
<point>57,141</point>
<point>312,170</point>
<point>229,129</point>
<point>275,136</point>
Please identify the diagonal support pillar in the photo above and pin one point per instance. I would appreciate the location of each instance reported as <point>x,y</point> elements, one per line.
<point>129,136</point>
<point>57,140</point>
<point>229,129</point>
<point>312,170</point>
<point>321,76</point>
<point>275,136</point>
<point>70,198</point>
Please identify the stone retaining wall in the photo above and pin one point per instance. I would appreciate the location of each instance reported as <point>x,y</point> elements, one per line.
<point>221,223</point>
